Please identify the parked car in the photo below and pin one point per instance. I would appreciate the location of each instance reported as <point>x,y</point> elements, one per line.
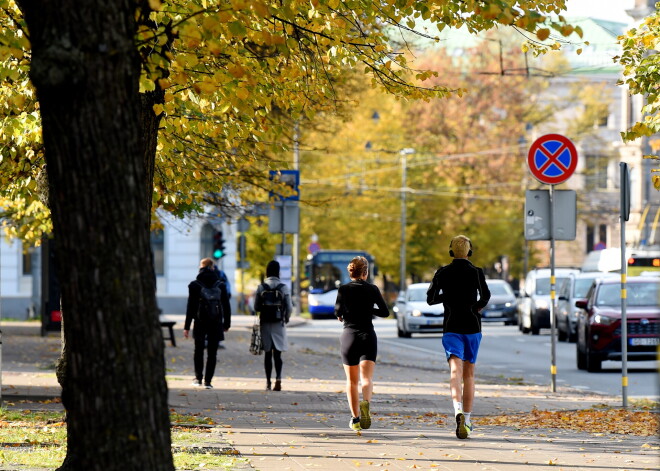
<point>534,304</point>
<point>599,321</point>
<point>503,305</point>
<point>414,315</point>
<point>574,287</point>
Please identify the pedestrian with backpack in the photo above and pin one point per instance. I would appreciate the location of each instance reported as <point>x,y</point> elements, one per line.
<point>209,308</point>
<point>273,304</point>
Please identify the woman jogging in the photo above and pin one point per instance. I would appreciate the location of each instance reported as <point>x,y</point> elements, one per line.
<point>357,302</point>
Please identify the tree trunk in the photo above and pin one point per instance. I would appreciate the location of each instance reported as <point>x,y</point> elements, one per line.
<point>86,69</point>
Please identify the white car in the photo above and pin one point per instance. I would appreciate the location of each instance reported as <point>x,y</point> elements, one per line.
<point>414,315</point>
<point>534,305</point>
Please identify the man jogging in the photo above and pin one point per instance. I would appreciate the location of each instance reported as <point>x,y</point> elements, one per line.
<point>462,289</point>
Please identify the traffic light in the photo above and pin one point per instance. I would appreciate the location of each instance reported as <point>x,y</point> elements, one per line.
<point>218,245</point>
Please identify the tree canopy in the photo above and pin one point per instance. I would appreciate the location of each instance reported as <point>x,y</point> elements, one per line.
<point>641,73</point>
<point>226,80</point>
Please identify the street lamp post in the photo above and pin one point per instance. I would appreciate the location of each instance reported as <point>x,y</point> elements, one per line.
<point>404,170</point>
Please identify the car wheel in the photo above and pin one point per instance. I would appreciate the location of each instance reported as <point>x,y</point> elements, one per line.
<point>572,337</point>
<point>594,364</point>
<point>399,333</point>
<point>535,329</point>
<point>561,335</point>
<point>581,358</point>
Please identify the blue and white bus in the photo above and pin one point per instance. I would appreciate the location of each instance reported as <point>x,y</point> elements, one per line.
<point>326,271</point>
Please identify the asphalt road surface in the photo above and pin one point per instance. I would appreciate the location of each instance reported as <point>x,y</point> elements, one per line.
<point>504,353</point>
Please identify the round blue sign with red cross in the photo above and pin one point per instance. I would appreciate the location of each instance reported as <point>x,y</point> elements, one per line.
<point>552,159</point>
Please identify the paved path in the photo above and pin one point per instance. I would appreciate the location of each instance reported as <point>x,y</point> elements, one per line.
<point>305,426</point>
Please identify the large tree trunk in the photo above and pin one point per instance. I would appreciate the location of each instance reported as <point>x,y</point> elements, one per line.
<point>85,69</point>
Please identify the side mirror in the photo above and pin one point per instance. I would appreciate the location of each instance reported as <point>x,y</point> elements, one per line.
<point>516,293</point>
<point>581,303</point>
<point>563,298</point>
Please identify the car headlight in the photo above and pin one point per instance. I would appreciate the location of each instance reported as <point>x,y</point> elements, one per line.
<point>542,304</point>
<point>602,320</point>
<point>415,313</point>
<point>508,304</point>
<point>395,309</point>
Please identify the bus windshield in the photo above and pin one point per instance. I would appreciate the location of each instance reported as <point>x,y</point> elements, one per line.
<point>327,270</point>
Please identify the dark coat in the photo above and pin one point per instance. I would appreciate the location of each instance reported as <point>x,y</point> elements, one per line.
<point>461,287</point>
<point>207,277</point>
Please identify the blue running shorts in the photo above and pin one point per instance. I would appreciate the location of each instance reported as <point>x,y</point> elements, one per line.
<point>463,346</point>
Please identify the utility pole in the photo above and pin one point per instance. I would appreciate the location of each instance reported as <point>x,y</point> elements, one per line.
<point>295,271</point>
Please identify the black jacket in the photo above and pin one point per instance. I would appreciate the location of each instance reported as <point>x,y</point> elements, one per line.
<point>461,288</point>
<point>355,304</point>
<point>208,278</point>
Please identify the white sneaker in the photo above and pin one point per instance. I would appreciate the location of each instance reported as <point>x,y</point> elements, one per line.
<point>208,386</point>
<point>196,383</point>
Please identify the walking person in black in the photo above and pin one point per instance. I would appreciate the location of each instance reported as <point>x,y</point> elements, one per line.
<point>273,303</point>
<point>359,344</point>
<point>462,289</point>
<point>209,308</point>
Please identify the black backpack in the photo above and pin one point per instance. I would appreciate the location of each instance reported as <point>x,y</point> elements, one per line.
<point>210,306</point>
<point>272,304</point>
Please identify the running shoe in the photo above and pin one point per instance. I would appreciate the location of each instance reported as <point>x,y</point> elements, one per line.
<point>469,428</point>
<point>365,416</point>
<point>197,382</point>
<point>354,424</point>
<point>461,431</point>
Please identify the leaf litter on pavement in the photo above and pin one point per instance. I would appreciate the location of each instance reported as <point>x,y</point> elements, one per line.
<point>593,420</point>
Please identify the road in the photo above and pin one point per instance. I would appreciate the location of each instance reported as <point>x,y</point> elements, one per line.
<point>504,353</point>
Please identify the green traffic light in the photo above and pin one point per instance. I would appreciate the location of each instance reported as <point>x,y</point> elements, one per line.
<point>218,253</point>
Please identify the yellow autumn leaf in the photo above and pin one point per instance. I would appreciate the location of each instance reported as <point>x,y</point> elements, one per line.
<point>242,93</point>
<point>543,34</point>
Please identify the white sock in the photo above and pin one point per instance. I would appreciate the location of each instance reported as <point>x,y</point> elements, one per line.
<point>458,407</point>
<point>467,417</point>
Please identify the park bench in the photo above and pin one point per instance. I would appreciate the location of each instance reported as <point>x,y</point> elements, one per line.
<point>169,325</point>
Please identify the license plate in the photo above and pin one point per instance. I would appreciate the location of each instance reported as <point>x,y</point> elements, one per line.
<point>492,314</point>
<point>644,341</point>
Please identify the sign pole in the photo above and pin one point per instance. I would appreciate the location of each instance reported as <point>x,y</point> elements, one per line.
<point>552,159</point>
<point>624,215</point>
<point>553,310</point>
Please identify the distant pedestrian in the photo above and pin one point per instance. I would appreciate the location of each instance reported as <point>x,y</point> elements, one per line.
<point>223,277</point>
<point>209,308</point>
<point>462,289</point>
<point>273,303</point>
<point>357,302</point>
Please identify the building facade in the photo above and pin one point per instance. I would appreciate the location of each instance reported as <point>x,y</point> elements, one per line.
<point>177,249</point>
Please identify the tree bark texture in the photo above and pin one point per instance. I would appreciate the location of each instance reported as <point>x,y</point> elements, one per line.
<point>86,72</point>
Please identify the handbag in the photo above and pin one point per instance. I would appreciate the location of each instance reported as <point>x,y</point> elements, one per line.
<point>256,346</point>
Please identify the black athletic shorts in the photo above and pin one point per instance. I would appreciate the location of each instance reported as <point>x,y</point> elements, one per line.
<point>357,346</point>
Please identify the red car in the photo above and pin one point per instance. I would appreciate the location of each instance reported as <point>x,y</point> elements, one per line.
<point>599,321</point>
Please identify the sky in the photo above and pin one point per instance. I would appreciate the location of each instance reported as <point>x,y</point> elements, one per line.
<point>613,10</point>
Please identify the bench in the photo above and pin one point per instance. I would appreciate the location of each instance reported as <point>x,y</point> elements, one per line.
<point>170,327</point>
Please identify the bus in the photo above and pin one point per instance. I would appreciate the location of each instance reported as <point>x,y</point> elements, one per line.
<point>326,272</point>
<point>644,261</point>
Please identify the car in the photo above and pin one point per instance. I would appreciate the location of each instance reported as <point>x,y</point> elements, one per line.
<point>415,315</point>
<point>599,322</point>
<point>534,303</point>
<point>502,306</point>
<point>573,288</point>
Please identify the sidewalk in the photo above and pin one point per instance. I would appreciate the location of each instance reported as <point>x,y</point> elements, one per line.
<point>305,426</point>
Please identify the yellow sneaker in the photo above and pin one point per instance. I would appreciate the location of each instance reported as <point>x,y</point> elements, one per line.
<point>365,416</point>
<point>354,424</point>
<point>461,431</point>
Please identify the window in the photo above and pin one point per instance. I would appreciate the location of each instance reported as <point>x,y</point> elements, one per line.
<point>596,171</point>
<point>27,262</point>
<point>158,251</point>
